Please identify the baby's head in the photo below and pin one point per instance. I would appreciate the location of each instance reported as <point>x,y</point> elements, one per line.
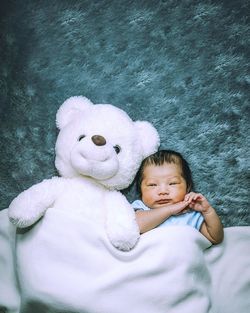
<point>164,169</point>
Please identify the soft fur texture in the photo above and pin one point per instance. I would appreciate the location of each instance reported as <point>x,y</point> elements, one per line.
<point>98,151</point>
<point>182,65</point>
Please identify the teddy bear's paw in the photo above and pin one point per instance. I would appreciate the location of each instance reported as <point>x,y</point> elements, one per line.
<point>19,222</point>
<point>124,241</point>
<point>124,245</point>
<point>123,235</point>
<point>23,221</point>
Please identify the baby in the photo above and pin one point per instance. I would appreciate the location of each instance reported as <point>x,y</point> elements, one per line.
<point>165,184</point>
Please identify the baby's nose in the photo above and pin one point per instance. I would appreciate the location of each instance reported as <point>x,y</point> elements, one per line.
<point>164,190</point>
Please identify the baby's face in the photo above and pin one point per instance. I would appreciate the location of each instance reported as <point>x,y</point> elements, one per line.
<point>162,185</point>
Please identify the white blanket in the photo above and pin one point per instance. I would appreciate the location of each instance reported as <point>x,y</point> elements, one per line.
<point>65,264</point>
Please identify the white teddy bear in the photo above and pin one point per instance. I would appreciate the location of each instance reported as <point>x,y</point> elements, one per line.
<point>98,152</point>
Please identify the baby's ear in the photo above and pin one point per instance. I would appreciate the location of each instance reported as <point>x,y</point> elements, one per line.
<point>148,137</point>
<point>70,109</point>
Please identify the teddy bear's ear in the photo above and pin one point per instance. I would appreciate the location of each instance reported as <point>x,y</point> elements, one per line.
<point>148,137</point>
<point>70,108</point>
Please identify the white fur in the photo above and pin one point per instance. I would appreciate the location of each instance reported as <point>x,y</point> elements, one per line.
<point>92,174</point>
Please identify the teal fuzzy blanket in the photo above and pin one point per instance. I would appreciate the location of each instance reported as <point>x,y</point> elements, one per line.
<point>182,65</point>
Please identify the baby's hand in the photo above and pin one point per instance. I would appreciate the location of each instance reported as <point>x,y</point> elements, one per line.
<point>179,207</point>
<point>198,202</point>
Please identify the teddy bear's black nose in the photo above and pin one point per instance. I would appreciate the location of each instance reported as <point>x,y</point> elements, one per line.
<point>98,140</point>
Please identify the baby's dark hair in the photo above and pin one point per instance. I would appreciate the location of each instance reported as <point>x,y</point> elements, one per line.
<point>166,156</point>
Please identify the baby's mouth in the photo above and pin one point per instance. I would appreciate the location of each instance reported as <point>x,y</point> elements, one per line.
<point>163,201</point>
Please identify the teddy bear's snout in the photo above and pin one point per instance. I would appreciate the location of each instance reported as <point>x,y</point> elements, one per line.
<point>98,140</point>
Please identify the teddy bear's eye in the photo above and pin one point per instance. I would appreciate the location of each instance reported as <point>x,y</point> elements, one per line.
<point>81,137</point>
<point>117,149</point>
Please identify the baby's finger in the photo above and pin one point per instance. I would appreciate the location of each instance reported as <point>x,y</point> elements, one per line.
<point>184,203</point>
<point>187,201</point>
<point>189,196</point>
<point>199,196</point>
<point>178,207</point>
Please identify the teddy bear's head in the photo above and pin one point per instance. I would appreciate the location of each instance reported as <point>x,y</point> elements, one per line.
<point>102,142</point>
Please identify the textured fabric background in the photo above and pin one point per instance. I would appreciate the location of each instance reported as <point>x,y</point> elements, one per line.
<point>182,65</point>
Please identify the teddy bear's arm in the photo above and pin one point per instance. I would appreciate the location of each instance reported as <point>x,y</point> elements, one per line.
<point>32,203</point>
<point>122,228</point>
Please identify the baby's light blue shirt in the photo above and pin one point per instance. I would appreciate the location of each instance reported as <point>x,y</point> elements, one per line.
<point>190,218</point>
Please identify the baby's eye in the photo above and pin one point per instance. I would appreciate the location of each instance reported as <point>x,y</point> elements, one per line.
<point>173,183</point>
<point>152,185</point>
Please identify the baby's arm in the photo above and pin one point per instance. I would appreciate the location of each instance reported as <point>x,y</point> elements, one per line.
<point>211,228</point>
<point>148,220</point>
